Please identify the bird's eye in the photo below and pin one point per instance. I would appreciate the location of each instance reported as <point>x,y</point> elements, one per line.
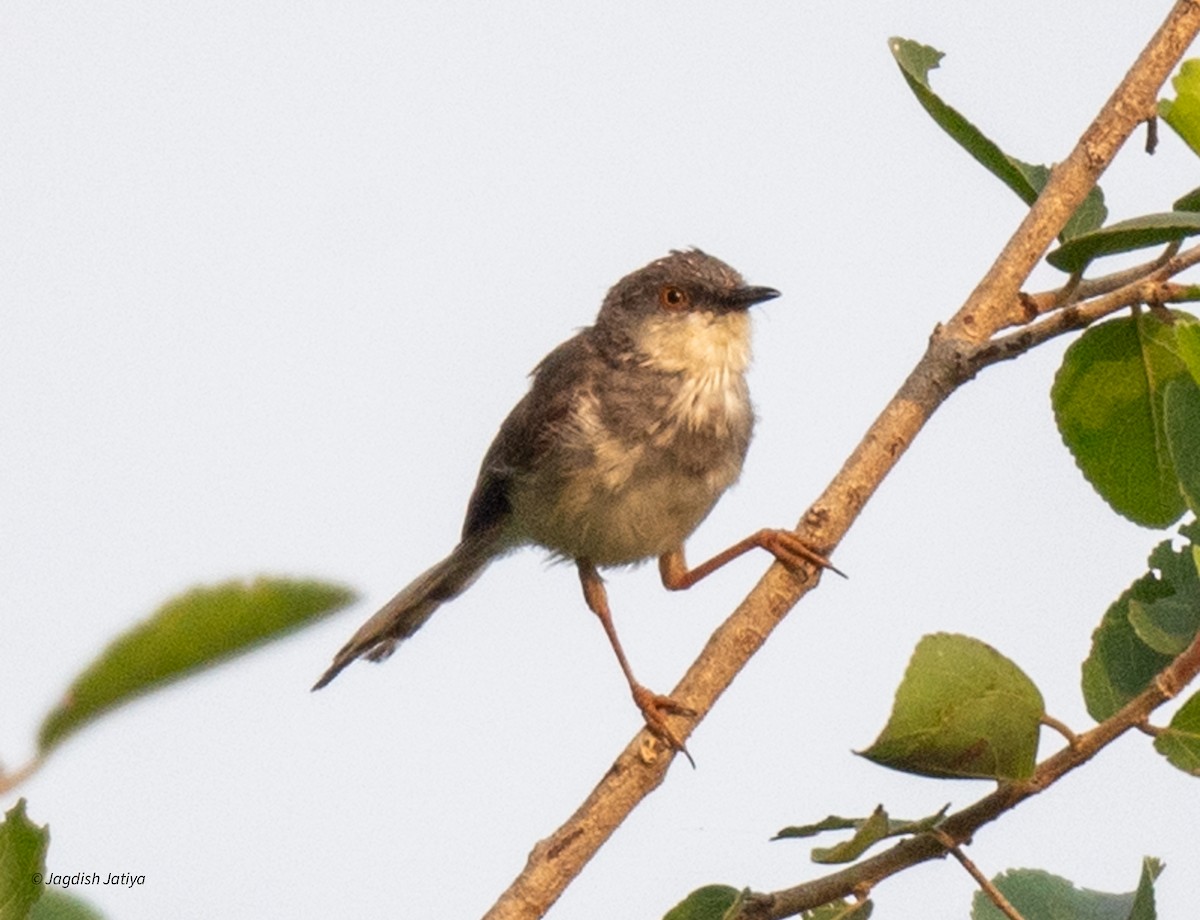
<point>673,298</point>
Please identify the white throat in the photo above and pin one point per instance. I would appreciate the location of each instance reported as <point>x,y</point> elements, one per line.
<point>697,343</point>
<point>711,352</point>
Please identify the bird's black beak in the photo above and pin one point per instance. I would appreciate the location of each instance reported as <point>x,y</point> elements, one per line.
<point>745,297</point>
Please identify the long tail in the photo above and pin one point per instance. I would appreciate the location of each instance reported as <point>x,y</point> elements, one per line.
<point>407,612</point>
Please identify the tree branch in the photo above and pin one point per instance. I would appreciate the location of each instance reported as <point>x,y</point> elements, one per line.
<point>1165,266</point>
<point>959,827</point>
<point>993,305</point>
<point>1077,316</point>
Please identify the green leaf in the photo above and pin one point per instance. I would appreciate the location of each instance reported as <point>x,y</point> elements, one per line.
<point>919,826</point>
<point>58,905</point>
<point>712,902</point>
<point>1108,402</point>
<point>1143,898</point>
<point>1166,625</point>
<point>1183,113</point>
<point>868,831</point>
<point>916,61</point>
<point>831,823</point>
<point>1124,236</point>
<point>1179,742</point>
<point>962,710</point>
<point>1119,667</point>
<point>1121,664</point>
<point>874,829</point>
<point>187,634</point>
<point>22,863</point>
<point>1025,179</point>
<point>1187,340</point>
<point>1189,202</point>
<point>1181,405</point>
<point>1038,895</point>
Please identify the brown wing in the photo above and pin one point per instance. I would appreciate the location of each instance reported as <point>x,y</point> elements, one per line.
<point>529,432</point>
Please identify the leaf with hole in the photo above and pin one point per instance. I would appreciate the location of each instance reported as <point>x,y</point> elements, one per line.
<point>1122,661</point>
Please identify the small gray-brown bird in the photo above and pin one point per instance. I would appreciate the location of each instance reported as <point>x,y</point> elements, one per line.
<point>629,434</point>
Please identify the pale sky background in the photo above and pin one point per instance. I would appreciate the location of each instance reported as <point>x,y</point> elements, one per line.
<point>271,274</point>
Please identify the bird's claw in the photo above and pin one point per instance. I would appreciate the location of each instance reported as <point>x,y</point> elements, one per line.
<point>789,549</point>
<point>655,708</point>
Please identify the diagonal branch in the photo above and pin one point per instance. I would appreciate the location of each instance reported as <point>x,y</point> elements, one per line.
<point>993,305</point>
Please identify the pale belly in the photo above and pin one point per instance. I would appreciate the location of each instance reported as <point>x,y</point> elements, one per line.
<point>629,515</point>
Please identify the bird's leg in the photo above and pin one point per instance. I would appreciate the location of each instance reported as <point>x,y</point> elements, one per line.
<point>654,707</point>
<point>784,545</point>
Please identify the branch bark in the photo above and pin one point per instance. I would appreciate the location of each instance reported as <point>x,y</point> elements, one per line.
<point>992,306</point>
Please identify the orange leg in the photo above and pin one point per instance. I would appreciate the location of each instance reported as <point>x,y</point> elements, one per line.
<point>655,708</point>
<point>782,544</point>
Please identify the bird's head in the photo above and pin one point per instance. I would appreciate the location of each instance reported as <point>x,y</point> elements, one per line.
<point>686,312</point>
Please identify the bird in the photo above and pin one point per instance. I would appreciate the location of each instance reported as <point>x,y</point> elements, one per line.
<point>630,432</point>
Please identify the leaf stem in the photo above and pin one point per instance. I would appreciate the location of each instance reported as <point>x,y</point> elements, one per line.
<point>11,780</point>
<point>1050,722</point>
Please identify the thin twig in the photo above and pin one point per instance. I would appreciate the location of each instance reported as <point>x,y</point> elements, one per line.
<point>1166,265</point>
<point>1074,318</point>
<point>985,884</point>
<point>1050,722</point>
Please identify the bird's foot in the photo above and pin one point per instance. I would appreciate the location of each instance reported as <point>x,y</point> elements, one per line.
<point>655,709</point>
<point>788,548</point>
